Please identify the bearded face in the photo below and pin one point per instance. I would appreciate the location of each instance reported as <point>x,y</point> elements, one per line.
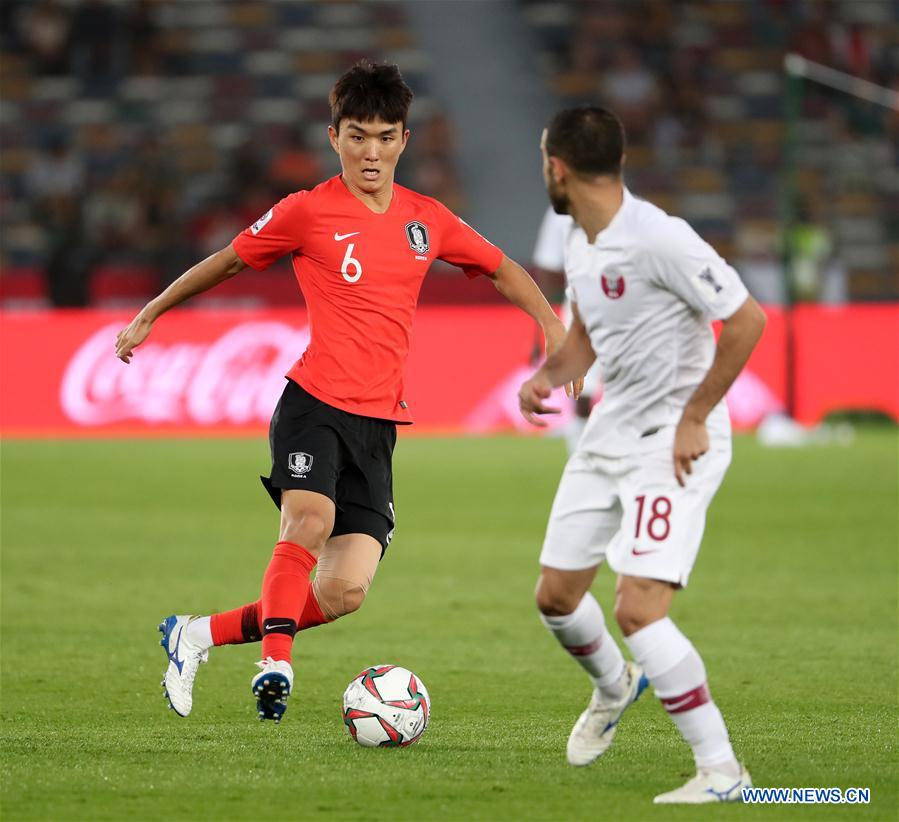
<point>554,188</point>
<point>557,196</point>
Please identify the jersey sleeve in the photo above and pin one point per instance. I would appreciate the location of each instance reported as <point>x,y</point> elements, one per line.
<point>281,230</point>
<point>461,245</point>
<point>688,266</point>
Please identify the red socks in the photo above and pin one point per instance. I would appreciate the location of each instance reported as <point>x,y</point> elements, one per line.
<point>244,624</point>
<point>238,626</point>
<point>285,589</point>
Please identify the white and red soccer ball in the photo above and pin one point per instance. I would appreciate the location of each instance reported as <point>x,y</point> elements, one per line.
<point>386,706</point>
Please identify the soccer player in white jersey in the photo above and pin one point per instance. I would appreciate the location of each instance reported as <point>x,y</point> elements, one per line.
<point>643,287</point>
<point>549,259</point>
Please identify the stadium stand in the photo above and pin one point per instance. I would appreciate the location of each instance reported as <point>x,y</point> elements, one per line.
<point>699,86</point>
<point>183,121</point>
<point>138,136</point>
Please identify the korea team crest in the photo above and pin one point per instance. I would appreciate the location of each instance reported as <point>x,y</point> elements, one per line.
<point>299,463</point>
<point>612,285</point>
<point>417,235</point>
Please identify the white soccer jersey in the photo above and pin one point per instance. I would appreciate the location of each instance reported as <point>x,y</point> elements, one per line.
<point>646,290</point>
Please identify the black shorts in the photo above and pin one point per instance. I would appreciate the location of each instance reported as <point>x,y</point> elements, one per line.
<point>346,457</point>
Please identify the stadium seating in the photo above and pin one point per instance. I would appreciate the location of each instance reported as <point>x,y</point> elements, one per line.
<point>211,98</point>
<point>183,121</point>
<point>709,143</point>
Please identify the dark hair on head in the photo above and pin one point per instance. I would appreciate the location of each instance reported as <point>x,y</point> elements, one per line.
<point>589,139</point>
<point>370,91</point>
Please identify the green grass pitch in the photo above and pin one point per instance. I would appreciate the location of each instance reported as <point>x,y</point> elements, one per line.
<point>792,604</point>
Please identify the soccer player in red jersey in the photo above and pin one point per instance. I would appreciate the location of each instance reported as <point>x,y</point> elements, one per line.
<point>360,246</point>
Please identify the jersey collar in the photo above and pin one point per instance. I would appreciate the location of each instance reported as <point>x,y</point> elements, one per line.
<point>627,201</point>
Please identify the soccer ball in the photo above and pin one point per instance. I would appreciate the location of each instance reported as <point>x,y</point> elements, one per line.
<point>386,706</point>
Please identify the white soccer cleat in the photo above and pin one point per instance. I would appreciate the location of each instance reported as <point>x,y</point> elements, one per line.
<point>708,786</point>
<point>271,687</point>
<point>184,660</point>
<point>595,728</point>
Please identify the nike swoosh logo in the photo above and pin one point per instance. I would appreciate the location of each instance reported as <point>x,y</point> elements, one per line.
<point>673,706</point>
<point>339,237</point>
<point>637,553</point>
<point>279,625</point>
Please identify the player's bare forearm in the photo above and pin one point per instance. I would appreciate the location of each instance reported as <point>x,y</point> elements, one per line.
<point>739,335</point>
<point>567,364</point>
<point>518,287</point>
<point>204,275</point>
<point>573,358</point>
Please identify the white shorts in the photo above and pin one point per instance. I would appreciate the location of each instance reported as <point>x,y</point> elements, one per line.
<point>631,511</point>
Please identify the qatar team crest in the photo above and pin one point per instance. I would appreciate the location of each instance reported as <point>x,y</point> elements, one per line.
<point>299,463</point>
<point>612,286</point>
<point>417,235</point>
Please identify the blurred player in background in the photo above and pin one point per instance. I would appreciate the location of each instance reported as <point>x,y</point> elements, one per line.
<point>360,247</point>
<point>549,260</point>
<point>643,287</point>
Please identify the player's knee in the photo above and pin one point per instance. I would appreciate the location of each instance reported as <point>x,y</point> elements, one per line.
<point>353,599</point>
<point>338,597</point>
<point>633,613</point>
<point>307,528</point>
<point>630,616</point>
<point>640,602</point>
<point>554,600</point>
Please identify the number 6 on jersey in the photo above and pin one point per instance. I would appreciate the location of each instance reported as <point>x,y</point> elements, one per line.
<point>350,262</point>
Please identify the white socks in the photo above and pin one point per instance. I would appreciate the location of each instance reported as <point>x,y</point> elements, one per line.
<point>199,632</point>
<point>677,674</point>
<point>584,635</point>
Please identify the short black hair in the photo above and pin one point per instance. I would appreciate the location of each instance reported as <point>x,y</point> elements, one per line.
<point>370,91</point>
<point>590,139</point>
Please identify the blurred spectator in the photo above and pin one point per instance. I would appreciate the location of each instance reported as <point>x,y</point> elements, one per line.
<point>630,90</point>
<point>56,173</point>
<point>433,149</point>
<point>94,39</point>
<point>54,184</point>
<point>141,36</point>
<point>815,273</point>
<point>45,29</point>
<point>294,167</point>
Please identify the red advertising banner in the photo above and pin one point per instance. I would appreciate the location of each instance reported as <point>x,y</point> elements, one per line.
<point>205,372</point>
<point>846,357</point>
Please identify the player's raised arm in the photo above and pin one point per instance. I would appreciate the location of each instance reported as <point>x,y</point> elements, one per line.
<point>204,275</point>
<point>739,334</point>
<point>517,286</point>
<point>573,357</point>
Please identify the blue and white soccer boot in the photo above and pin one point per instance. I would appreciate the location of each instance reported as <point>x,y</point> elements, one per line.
<point>184,659</point>
<point>708,786</point>
<point>595,728</point>
<point>271,687</point>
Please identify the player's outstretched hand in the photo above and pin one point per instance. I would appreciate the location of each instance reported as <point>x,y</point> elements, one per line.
<point>531,397</point>
<point>691,441</point>
<point>132,336</point>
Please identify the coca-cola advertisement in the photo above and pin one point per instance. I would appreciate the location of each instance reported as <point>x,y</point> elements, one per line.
<point>206,372</point>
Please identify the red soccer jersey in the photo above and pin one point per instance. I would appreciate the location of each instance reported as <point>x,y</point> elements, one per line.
<point>360,273</point>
